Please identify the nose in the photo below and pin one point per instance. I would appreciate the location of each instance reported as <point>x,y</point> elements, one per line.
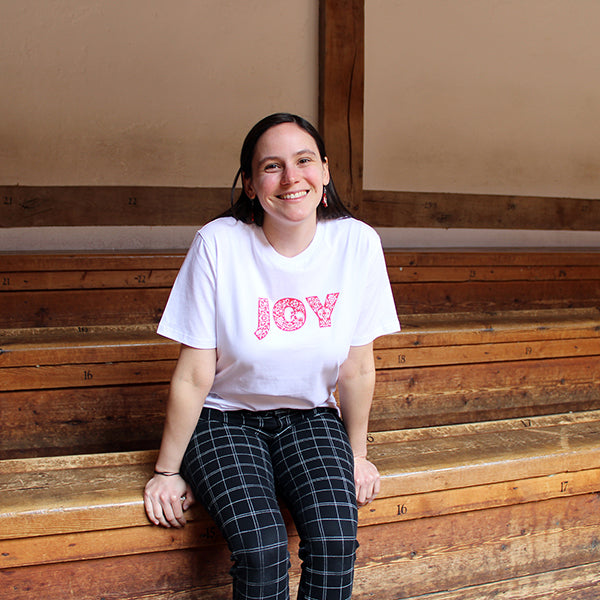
<point>289,175</point>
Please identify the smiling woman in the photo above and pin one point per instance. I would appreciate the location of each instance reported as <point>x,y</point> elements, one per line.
<point>252,416</point>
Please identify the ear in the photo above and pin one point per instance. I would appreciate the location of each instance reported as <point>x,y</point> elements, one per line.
<point>248,188</point>
<point>326,176</point>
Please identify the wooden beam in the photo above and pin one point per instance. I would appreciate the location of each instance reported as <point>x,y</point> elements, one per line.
<point>425,209</point>
<point>341,94</point>
<point>53,206</point>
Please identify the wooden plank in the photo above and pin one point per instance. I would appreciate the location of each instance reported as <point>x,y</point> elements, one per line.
<point>81,308</point>
<point>341,94</point>
<point>473,498</point>
<point>493,296</point>
<point>445,329</point>
<point>425,556</point>
<point>493,352</point>
<point>466,429</point>
<point>80,345</point>
<point>126,541</point>
<point>82,420</point>
<point>47,377</point>
<point>580,582</point>
<point>160,575</point>
<point>492,257</point>
<point>492,273</point>
<point>53,206</point>
<point>454,462</point>
<point>426,396</point>
<point>42,500</point>
<point>74,345</point>
<point>400,561</point>
<point>341,122</point>
<point>200,530</point>
<point>82,280</point>
<point>458,210</point>
<point>90,260</point>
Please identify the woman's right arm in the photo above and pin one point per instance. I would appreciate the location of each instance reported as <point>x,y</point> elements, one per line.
<point>191,383</point>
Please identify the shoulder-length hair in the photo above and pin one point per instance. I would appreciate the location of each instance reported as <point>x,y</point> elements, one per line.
<point>249,211</point>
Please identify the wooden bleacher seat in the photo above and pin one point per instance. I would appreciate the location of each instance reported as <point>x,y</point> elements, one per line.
<point>485,428</point>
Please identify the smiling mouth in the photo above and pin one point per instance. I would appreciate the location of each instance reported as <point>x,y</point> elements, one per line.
<point>293,195</point>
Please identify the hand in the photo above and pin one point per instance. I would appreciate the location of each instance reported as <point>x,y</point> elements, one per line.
<point>366,477</point>
<point>165,499</point>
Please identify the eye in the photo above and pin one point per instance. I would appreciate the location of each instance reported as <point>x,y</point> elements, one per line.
<point>270,167</point>
<point>305,160</point>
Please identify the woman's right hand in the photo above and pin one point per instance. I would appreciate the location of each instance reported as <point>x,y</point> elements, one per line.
<point>166,498</point>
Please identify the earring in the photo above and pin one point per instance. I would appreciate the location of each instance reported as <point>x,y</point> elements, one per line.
<point>324,200</point>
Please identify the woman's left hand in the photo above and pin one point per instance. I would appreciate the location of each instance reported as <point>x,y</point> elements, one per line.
<point>366,477</point>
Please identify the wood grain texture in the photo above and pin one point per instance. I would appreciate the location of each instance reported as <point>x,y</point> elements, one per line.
<point>456,210</point>
<point>341,94</point>
<point>341,117</point>
<point>484,428</point>
<point>43,206</point>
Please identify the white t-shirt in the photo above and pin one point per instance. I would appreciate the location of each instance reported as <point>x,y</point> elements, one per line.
<point>281,326</point>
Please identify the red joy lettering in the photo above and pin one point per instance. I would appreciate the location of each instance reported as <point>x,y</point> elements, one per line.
<point>264,319</point>
<point>289,314</point>
<point>323,311</point>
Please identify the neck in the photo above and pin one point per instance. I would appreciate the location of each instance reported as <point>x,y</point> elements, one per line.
<point>289,240</point>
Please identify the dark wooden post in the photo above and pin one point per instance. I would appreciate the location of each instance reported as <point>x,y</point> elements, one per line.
<point>341,94</point>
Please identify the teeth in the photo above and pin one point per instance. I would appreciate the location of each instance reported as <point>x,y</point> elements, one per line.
<point>292,196</point>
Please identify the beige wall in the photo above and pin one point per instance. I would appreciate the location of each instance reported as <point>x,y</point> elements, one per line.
<point>490,96</point>
<point>146,92</point>
<point>483,96</point>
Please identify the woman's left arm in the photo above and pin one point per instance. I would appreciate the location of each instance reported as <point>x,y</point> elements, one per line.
<point>356,383</point>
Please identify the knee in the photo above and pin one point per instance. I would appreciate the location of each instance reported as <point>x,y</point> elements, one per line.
<point>331,550</point>
<point>262,553</point>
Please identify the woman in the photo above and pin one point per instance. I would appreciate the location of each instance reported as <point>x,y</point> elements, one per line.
<point>277,303</point>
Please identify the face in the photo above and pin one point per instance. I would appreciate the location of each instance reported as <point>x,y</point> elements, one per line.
<point>288,175</point>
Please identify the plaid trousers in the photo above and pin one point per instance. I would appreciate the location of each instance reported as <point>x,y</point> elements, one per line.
<point>239,462</point>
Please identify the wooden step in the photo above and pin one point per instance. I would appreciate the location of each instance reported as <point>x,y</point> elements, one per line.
<point>575,583</point>
<point>56,495</point>
<point>508,331</point>
<point>495,550</point>
<point>82,420</point>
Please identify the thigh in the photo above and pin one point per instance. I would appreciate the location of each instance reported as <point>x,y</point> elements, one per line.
<point>314,468</point>
<point>229,469</point>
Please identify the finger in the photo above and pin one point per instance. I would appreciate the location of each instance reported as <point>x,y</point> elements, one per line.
<point>177,508</point>
<point>362,494</point>
<point>169,505</point>
<point>150,510</point>
<point>189,498</point>
<point>377,486</point>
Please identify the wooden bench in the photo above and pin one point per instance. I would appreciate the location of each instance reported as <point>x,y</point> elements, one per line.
<point>485,428</point>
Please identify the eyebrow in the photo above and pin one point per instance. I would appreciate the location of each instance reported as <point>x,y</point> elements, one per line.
<point>267,159</point>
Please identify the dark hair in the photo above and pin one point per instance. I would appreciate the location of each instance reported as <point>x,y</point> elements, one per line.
<point>247,210</point>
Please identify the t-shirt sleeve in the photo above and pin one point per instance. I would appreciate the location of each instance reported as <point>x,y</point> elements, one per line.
<point>190,314</point>
<point>378,314</point>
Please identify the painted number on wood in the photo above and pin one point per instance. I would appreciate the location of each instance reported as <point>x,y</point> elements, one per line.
<point>402,510</point>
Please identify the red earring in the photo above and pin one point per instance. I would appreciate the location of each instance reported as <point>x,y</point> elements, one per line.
<point>324,198</point>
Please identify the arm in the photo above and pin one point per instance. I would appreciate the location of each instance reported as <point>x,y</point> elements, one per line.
<point>191,383</point>
<point>356,383</point>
